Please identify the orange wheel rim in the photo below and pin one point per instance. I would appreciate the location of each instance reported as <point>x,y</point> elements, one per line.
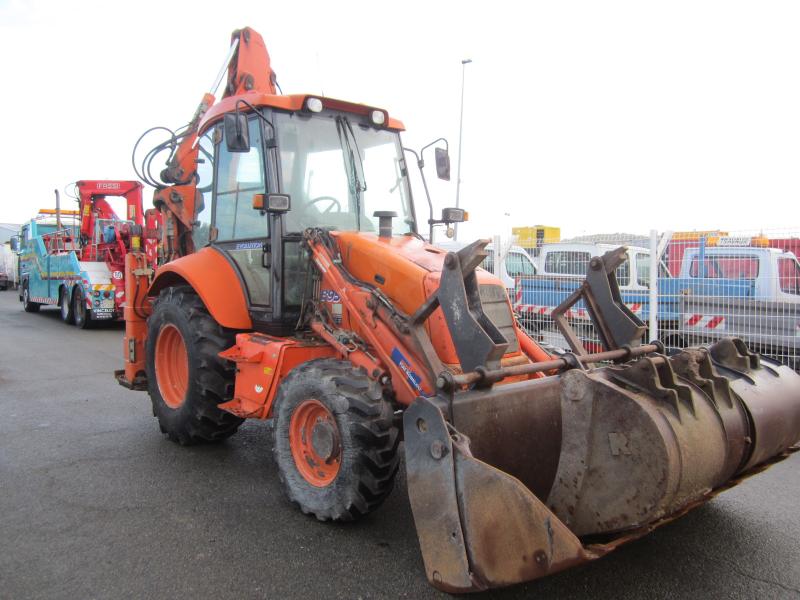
<point>172,366</point>
<point>315,443</point>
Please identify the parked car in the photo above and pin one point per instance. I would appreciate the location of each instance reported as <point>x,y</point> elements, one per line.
<point>747,292</point>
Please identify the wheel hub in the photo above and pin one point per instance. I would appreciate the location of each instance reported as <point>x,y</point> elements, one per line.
<point>325,440</point>
<point>315,443</point>
<point>172,366</point>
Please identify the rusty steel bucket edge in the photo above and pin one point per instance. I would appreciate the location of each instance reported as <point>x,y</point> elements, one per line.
<point>467,543</point>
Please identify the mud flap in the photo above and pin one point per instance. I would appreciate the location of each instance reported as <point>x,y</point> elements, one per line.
<point>478,527</point>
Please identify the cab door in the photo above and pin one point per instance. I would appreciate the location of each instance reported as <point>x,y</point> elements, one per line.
<point>238,230</point>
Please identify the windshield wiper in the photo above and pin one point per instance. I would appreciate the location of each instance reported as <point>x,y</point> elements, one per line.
<point>357,183</point>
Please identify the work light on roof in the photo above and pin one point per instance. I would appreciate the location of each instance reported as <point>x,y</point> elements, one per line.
<point>377,117</point>
<point>314,105</point>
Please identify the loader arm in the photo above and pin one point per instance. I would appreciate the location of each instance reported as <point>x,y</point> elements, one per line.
<point>378,326</point>
<point>402,344</point>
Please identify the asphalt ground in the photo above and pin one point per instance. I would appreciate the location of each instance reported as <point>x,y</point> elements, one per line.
<point>95,503</point>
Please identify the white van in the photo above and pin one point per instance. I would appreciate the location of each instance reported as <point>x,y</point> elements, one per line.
<point>567,259</point>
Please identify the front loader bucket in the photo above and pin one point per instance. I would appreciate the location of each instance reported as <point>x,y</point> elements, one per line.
<point>508,483</point>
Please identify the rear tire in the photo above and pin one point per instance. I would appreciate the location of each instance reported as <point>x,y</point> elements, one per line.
<point>81,316</point>
<point>65,304</point>
<point>183,343</point>
<point>365,447</point>
<point>27,305</point>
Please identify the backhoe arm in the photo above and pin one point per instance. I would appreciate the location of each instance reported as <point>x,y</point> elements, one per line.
<point>248,70</point>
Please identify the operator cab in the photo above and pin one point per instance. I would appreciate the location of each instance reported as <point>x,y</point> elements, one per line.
<point>267,175</point>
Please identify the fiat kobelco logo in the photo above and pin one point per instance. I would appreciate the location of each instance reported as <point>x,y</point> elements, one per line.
<point>108,186</point>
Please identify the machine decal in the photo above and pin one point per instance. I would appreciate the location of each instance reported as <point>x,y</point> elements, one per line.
<point>329,296</point>
<point>402,362</point>
<point>248,245</point>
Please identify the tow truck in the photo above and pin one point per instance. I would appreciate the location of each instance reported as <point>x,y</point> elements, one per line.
<point>74,259</point>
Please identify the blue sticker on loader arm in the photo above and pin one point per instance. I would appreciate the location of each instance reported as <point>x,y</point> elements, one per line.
<point>402,362</point>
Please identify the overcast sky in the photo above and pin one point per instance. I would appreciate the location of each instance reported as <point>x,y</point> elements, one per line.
<point>591,116</point>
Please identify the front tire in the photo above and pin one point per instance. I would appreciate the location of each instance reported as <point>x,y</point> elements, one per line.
<point>335,440</point>
<point>186,379</point>
<point>27,305</point>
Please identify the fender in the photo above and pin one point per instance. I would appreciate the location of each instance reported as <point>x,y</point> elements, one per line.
<point>215,281</point>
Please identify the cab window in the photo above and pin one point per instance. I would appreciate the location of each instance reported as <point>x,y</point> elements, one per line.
<point>205,179</point>
<point>240,175</point>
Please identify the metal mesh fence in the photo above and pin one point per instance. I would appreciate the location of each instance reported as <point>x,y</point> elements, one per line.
<point>709,285</point>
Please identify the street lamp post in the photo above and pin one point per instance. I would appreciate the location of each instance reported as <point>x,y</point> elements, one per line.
<point>464,64</point>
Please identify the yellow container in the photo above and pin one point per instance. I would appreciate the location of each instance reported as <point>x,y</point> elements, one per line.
<point>536,235</point>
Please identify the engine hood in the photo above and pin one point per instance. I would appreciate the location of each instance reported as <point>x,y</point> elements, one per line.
<point>407,270</point>
<point>404,268</point>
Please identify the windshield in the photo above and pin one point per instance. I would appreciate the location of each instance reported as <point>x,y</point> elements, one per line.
<point>338,172</point>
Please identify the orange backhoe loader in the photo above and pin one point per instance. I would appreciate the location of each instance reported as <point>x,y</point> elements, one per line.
<point>292,284</point>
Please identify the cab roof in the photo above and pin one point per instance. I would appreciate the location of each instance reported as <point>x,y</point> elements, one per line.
<point>290,102</point>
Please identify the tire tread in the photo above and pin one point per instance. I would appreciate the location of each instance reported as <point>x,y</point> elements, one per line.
<point>370,425</point>
<point>204,422</point>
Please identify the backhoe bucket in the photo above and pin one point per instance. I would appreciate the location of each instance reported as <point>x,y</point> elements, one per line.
<point>508,483</point>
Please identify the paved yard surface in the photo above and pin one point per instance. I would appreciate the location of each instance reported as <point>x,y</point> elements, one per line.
<point>95,503</point>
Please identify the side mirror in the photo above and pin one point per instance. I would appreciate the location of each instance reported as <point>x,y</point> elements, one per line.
<point>237,134</point>
<point>15,243</point>
<point>454,215</point>
<point>442,164</point>
<point>272,203</point>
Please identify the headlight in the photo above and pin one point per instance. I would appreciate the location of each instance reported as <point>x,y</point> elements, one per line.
<point>378,117</point>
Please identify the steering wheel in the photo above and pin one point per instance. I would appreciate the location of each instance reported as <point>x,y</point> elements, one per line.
<point>333,201</point>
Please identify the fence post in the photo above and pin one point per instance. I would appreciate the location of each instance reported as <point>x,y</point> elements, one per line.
<point>497,255</point>
<point>653,304</point>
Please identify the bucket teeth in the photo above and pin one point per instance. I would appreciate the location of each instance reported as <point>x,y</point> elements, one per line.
<point>734,354</point>
<point>655,376</point>
<point>695,365</point>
